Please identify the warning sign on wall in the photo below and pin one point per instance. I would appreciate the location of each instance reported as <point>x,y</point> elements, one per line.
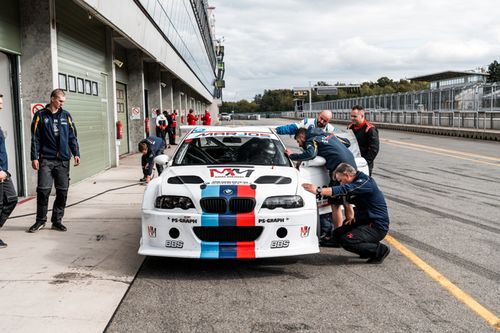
<point>36,107</point>
<point>136,113</point>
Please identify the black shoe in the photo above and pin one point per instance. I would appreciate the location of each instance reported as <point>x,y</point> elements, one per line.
<point>142,179</point>
<point>380,259</point>
<point>329,243</point>
<point>37,226</point>
<point>2,244</point>
<point>59,227</point>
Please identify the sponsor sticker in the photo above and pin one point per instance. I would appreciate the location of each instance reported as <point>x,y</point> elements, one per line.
<point>177,244</point>
<point>304,231</point>
<point>279,244</point>
<point>231,172</point>
<point>183,219</point>
<point>151,231</point>
<point>273,220</point>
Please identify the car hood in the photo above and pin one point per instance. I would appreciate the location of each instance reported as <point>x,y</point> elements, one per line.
<point>269,180</point>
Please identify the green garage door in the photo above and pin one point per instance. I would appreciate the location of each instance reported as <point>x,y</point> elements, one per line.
<point>81,44</point>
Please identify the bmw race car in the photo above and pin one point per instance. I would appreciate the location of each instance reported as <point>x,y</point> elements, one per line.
<point>230,192</point>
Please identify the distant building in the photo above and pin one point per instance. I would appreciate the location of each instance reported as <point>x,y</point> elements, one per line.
<point>452,78</point>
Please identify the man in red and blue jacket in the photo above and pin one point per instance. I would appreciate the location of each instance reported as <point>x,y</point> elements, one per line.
<point>53,142</point>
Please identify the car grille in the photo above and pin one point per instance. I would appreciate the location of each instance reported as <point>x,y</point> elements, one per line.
<point>241,205</point>
<point>228,234</point>
<point>219,205</point>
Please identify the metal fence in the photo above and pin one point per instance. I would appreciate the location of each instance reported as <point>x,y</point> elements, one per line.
<point>466,106</point>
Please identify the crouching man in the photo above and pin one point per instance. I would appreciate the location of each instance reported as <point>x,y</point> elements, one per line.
<point>150,147</point>
<point>371,217</point>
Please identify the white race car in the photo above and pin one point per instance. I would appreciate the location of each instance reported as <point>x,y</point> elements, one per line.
<point>230,192</point>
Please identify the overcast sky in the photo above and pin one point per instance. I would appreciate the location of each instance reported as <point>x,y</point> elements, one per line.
<point>272,44</point>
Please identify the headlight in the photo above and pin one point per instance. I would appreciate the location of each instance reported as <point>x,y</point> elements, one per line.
<point>173,201</point>
<point>285,201</point>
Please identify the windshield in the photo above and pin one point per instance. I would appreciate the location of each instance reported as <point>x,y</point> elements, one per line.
<point>231,150</point>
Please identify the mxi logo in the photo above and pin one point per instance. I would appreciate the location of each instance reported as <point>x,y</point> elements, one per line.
<point>231,172</point>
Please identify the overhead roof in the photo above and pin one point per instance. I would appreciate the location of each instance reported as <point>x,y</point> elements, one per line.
<point>444,76</point>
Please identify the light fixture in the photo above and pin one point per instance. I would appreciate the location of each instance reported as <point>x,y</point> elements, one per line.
<point>118,63</point>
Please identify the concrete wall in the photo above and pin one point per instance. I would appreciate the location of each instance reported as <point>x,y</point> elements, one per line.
<point>135,96</point>
<point>38,67</point>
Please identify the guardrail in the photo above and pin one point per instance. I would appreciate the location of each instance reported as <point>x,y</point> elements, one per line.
<point>485,120</point>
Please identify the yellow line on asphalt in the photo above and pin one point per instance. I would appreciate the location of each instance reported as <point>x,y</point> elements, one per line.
<point>484,313</point>
<point>442,150</point>
<point>428,149</point>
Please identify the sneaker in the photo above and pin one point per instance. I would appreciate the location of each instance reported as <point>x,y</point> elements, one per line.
<point>2,244</point>
<point>142,179</point>
<point>37,226</point>
<point>59,227</point>
<point>380,259</point>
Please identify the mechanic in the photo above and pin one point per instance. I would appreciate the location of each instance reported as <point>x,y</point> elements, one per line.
<point>316,142</point>
<point>8,195</point>
<point>174,126</point>
<point>161,124</point>
<point>191,118</point>
<point>150,147</point>
<point>363,234</point>
<point>206,118</point>
<point>366,135</point>
<point>53,141</point>
<point>322,122</point>
<point>170,128</point>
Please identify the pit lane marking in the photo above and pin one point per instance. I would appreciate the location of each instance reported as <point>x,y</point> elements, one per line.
<point>484,313</point>
<point>445,152</point>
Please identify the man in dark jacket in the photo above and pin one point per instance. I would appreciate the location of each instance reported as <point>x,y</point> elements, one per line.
<point>150,147</point>
<point>363,235</point>
<point>53,142</point>
<point>366,135</point>
<point>8,195</point>
<point>316,142</point>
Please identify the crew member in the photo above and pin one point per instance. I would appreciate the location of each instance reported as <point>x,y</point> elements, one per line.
<point>8,195</point>
<point>363,234</point>
<point>366,135</point>
<point>161,124</point>
<point>207,118</point>
<point>191,118</point>
<point>150,147</point>
<point>316,142</point>
<point>321,122</point>
<point>53,142</point>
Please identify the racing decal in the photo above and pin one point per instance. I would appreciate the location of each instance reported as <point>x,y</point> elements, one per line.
<point>227,250</point>
<point>304,231</point>
<point>151,231</point>
<point>273,220</point>
<point>228,218</point>
<point>183,219</point>
<point>172,243</point>
<point>231,172</point>
<point>199,134</point>
<point>280,244</point>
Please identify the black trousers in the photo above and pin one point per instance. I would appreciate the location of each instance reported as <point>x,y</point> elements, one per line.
<point>52,172</point>
<point>362,239</point>
<point>171,135</point>
<point>8,200</point>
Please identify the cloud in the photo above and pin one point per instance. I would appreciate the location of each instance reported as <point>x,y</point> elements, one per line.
<point>282,44</point>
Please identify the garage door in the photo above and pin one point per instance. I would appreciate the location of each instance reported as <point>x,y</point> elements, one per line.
<point>81,48</point>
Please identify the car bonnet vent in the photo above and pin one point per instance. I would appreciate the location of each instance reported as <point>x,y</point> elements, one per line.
<point>273,180</point>
<point>185,180</point>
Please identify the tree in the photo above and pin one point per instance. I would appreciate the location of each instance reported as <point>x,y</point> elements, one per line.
<point>494,71</point>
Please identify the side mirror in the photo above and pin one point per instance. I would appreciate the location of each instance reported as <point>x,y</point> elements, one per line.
<point>161,159</point>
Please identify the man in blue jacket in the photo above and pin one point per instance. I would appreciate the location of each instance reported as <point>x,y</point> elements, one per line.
<point>322,122</point>
<point>53,142</point>
<point>316,142</point>
<point>363,235</point>
<point>150,147</point>
<point>8,195</point>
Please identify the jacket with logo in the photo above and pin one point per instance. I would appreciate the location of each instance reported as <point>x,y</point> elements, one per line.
<point>45,143</point>
<point>155,148</point>
<point>305,123</point>
<point>369,201</point>
<point>368,141</point>
<point>326,145</point>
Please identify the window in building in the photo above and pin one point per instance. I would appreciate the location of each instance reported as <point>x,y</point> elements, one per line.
<point>88,87</point>
<point>62,82</point>
<point>71,83</point>
<point>95,90</point>
<point>80,85</point>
